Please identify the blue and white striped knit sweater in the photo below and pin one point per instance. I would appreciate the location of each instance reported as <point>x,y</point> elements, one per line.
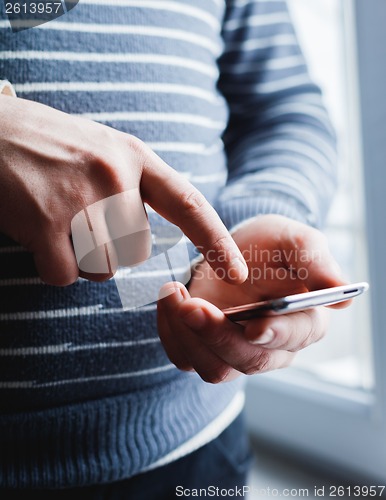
<point>87,394</point>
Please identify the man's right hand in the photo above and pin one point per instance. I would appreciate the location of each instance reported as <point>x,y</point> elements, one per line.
<point>53,165</point>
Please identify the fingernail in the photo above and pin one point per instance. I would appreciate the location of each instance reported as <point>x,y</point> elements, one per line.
<point>239,267</point>
<point>172,294</point>
<point>195,319</point>
<point>265,338</point>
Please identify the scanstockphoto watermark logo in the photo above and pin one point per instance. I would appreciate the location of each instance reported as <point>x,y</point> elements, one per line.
<point>27,14</point>
<point>114,235</point>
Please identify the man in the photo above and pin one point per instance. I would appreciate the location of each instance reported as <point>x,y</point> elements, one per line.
<point>88,397</point>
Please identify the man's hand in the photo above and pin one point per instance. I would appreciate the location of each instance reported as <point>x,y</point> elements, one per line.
<point>53,165</point>
<point>284,257</point>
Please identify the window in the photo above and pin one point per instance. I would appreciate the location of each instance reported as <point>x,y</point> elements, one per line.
<point>345,356</point>
<point>331,403</point>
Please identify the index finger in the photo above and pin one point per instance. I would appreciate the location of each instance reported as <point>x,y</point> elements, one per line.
<point>176,199</point>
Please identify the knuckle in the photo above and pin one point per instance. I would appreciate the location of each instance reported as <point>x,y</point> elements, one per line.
<point>59,281</point>
<point>47,214</point>
<point>305,342</point>
<point>259,363</point>
<point>46,219</point>
<point>319,245</point>
<point>60,277</point>
<point>182,365</point>
<point>219,243</point>
<point>215,375</point>
<point>193,202</point>
<point>106,166</point>
<point>97,277</point>
<point>310,238</point>
<point>108,175</point>
<point>136,145</point>
<point>311,334</point>
<point>139,151</point>
<point>216,339</point>
<point>178,361</point>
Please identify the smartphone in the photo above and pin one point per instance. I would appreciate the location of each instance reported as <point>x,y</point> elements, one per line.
<point>294,303</point>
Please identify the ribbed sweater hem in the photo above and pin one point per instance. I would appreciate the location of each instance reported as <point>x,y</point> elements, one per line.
<point>115,438</point>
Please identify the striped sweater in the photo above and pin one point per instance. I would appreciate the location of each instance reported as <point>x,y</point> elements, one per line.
<point>220,90</point>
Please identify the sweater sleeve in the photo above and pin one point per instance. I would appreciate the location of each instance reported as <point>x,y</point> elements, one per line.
<point>279,141</point>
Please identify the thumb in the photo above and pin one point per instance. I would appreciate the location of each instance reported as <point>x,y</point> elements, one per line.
<point>169,289</point>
